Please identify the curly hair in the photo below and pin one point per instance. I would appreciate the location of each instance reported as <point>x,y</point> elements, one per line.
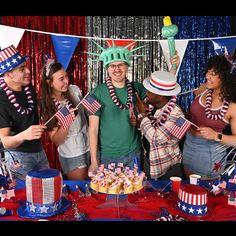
<point>223,68</point>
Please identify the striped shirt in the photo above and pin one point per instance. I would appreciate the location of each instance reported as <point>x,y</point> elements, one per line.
<point>164,147</point>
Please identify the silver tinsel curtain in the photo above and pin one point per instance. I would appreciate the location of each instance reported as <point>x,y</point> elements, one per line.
<point>125,27</point>
<point>192,71</point>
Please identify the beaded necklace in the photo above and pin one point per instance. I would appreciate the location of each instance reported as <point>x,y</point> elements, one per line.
<point>12,98</point>
<point>159,122</point>
<point>222,111</point>
<point>59,105</point>
<point>114,97</point>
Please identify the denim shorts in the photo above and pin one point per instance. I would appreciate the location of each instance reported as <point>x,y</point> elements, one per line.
<point>27,161</point>
<point>69,164</point>
<point>202,156</point>
<point>128,160</point>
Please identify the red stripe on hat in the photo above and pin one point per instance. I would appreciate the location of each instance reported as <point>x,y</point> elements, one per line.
<point>163,85</point>
<point>37,193</point>
<point>11,51</point>
<point>8,52</point>
<point>57,187</point>
<point>3,55</point>
<point>1,58</point>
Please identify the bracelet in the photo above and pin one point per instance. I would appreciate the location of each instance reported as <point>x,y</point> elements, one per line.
<point>219,137</point>
<point>141,115</point>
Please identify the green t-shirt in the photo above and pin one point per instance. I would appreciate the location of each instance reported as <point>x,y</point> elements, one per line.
<point>117,136</point>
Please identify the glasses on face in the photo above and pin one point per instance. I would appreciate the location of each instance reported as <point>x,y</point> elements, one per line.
<point>119,66</point>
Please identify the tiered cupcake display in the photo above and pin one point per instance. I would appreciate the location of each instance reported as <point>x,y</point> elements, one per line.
<point>117,180</point>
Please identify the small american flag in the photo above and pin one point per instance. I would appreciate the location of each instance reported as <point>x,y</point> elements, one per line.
<point>64,117</point>
<point>180,127</point>
<point>90,103</point>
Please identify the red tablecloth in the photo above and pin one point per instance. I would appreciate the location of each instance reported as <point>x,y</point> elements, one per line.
<point>147,207</point>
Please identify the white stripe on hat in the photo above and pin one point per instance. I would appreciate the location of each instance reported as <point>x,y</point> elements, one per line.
<point>48,190</point>
<point>29,189</point>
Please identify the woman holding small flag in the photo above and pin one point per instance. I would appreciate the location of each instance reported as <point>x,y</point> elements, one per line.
<point>66,121</point>
<point>204,151</point>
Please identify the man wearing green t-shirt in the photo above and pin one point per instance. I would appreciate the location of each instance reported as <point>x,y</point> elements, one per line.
<point>111,133</point>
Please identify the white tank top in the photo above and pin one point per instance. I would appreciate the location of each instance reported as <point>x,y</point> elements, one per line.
<point>76,142</point>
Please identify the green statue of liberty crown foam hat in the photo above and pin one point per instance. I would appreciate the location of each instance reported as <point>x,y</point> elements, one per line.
<point>115,53</point>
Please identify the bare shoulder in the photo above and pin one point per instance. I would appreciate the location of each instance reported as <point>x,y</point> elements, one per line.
<point>232,110</point>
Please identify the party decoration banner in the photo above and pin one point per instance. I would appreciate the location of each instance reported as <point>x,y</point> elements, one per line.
<point>180,46</point>
<point>225,46</point>
<point>10,36</point>
<point>64,47</point>
<point>122,43</point>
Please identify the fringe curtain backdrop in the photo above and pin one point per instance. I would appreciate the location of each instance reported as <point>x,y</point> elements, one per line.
<point>191,73</point>
<point>36,45</point>
<point>192,70</point>
<point>126,27</point>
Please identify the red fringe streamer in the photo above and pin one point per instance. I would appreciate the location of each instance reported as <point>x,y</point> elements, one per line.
<point>36,45</point>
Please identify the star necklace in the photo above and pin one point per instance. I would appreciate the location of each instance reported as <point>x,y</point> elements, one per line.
<point>165,114</point>
<point>12,98</point>
<point>222,111</point>
<point>114,97</point>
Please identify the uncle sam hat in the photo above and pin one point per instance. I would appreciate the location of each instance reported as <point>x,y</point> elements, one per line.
<point>10,58</point>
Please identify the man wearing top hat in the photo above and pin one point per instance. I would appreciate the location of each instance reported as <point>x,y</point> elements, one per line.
<point>156,118</point>
<point>20,131</point>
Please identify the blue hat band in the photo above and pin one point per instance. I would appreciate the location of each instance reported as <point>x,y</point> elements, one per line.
<point>11,63</point>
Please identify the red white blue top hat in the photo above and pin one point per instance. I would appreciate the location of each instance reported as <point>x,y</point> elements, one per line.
<point>10,58</point>
<point>43,195</point>
<point>192,203</point>
<point>162,83</point>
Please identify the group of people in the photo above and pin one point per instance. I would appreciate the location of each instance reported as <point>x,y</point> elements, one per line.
<point>132,126</point>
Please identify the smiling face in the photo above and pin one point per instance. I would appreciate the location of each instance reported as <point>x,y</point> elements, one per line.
<point>20,75</point>
<point>213,79</point>
<point>117,71</point>
<point>59,82</point>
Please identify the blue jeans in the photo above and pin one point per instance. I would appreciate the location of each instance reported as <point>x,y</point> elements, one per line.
<point>27,161</point>
<point>200,156</point>
<point>128,160</point>
<point>70,163</point>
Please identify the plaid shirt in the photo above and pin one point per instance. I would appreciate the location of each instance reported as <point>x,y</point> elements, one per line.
<point>164,147</point>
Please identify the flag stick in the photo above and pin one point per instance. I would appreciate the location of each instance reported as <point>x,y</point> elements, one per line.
<point>189,91</point>
<point>50,119</point>
<point>82,100</point>
<point>56,112</point>
<point>193,124</point>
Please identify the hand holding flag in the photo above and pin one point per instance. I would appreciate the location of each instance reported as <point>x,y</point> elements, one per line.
<point>181,127</point>
<point>64,115</point>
